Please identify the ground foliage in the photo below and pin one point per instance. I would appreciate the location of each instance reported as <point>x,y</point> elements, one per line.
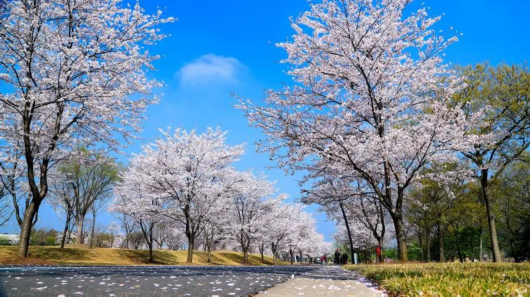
<point>450,279</point>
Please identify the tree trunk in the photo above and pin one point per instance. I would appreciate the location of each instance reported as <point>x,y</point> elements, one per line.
<point>70,232</point>
<point>261,248</point>
<point>79,239</point>
<point>397,217</point>
<point>491,218</point>
<point>65,232</point>
<point>245,255</point>
<point>420,241</point>
<point>441,238</point>
<point>380,256</point>
<point>348,230</point>
<point>291,253</point>
<point>150,252</point>
<point>480,246</point>
<point>92,231</point>
<point>209,254</point>
<point>273,253</point>
<point>458,243</point>
<point>25,230</point>
<point>400,236</point>
<point>459,251</point>
<point>151,256</point>
<point>191,244</point>
<point>428,246</point>
<point>245,245</point>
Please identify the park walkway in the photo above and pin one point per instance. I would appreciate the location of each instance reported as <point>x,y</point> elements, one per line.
<point>327,281</point>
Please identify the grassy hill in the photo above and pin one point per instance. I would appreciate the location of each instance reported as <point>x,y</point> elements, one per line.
<point>41,255</point>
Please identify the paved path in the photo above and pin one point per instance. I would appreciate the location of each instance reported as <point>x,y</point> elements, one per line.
<point>148,281</point>
<point>329,281</point>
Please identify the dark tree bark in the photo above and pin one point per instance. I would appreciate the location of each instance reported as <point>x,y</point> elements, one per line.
<point>66,229</point>
<point>491,216</point>
<point>441,239</point>
<point>348,230</point>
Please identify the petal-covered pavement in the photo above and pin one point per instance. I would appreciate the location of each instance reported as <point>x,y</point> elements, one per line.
<point>160,280</point>
<point>328,281</point>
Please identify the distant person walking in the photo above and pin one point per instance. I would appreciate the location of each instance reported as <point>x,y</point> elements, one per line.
<point>344,259</point>
<point>336,257</point>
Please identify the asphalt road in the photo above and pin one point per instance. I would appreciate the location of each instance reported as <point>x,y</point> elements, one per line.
<point>148,281</point>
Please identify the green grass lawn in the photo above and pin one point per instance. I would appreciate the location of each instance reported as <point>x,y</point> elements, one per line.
<point>449,279</point>
<point>103,256</point>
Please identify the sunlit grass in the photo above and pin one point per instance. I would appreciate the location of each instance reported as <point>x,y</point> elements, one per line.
<point>103,256</point>
<point>450,279</point>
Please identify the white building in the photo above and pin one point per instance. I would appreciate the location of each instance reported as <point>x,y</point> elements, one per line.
<point>11,238</point>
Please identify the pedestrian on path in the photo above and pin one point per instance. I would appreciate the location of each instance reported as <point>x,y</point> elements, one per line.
<point>344,259</point>
<point>336,257</point>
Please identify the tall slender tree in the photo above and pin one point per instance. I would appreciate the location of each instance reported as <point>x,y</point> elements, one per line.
<point>496,100</point>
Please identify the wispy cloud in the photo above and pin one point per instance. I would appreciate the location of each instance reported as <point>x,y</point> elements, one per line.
<point>211,68</point>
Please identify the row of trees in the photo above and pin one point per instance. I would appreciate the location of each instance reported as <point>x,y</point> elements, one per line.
<point>186,183</point>
<point>449,222</point>
<point>103,237</point>
<point>181,192</point>
<point>446,211</point>
<point>74,77</point>
<point>375,112</point>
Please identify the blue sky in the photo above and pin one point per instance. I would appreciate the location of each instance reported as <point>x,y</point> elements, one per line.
<point>218,47</point>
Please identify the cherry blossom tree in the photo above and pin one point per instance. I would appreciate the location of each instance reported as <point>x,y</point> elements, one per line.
<point>127,225</point>
<point>364,242</point>
<point>304,237</point>
<point>332,194</point>
<point>175,238</point>
<point>286,222</point>
<point>370,98</point>
<point>368,211</point>
<point>216,224</point>
<point>184,173</point>
<point>5,207</point>
<point>12,190</point>
<point>263,245</point>
<point>132,200</point>
<point>347,201</point>
<point>252,204</point>
<point>67,70</point>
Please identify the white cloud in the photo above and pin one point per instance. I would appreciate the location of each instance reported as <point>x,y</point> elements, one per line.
<point>211,68</point>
